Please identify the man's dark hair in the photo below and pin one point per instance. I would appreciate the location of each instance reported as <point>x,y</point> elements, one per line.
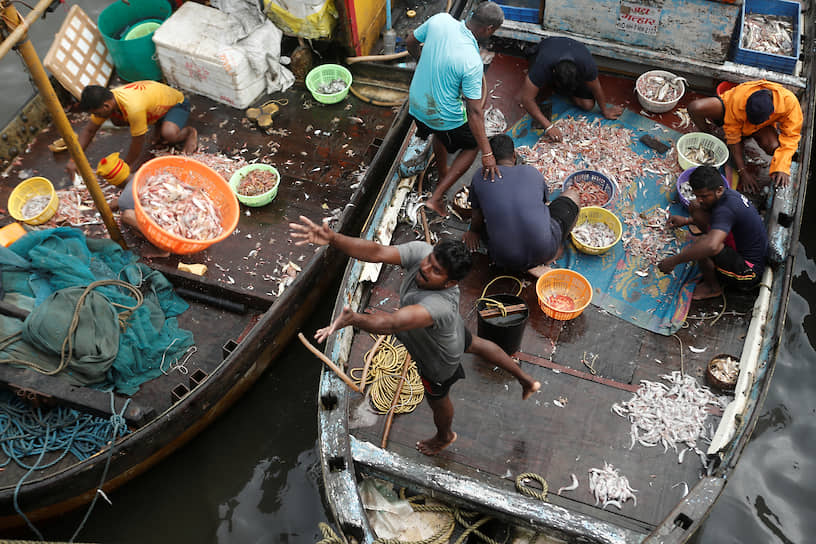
<point>487,14</point>
<point>502,146</point>
<point>705,177</point>
<point>565,77</point>
<point>93,96</point>
<point>454,256</point>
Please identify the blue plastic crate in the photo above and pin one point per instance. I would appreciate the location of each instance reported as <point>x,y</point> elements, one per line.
<point>519,13</point>
<point>769,61</point>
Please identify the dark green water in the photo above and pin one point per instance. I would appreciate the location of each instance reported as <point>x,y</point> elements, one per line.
<point>253,476</point>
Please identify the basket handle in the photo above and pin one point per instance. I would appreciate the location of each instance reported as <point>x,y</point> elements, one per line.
<point>492,303</point>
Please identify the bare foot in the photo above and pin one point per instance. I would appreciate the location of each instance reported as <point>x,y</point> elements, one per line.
<point>529,389</point>
<point>540,270</point>
<point>436,206</point>
<point>704,291</point>
<point>434,445</point>
<point>191,143</point>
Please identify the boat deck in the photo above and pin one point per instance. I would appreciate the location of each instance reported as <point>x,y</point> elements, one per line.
<point>322,153</point>
<point>501,436</point>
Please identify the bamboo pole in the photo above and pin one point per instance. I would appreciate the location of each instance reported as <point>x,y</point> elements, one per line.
<point>395,400</point>
<point>337,370</point>
<point>18,26</point>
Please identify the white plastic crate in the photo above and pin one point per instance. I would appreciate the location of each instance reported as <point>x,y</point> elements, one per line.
<point>194,51</point>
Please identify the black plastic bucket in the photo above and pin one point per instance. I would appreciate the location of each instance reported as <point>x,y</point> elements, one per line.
<point>506,331</point>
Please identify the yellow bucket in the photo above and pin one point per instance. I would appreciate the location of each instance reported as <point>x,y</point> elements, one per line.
<point>113,169</point>
<point>36,187</point>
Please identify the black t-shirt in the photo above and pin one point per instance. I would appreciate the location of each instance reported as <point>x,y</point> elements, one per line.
<point>551,51</point>
<point>734,213</point>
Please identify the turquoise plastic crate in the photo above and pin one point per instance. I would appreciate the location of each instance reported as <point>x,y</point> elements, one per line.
<point>519,13</point>
<point>769,61</point>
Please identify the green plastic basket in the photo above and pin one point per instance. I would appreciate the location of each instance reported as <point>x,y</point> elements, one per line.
<point>327,73</point>
<point>256,200</point>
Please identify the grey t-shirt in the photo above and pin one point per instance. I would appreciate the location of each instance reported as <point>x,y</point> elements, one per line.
<point>437,349</point>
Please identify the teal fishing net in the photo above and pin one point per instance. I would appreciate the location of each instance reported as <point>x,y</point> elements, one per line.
<point>43,263</point>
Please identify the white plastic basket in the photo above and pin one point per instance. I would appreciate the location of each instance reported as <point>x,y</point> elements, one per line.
<point>653,105</point>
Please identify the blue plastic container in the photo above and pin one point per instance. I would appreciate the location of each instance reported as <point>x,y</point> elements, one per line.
<point>769,61</point>
<point>519,13</point>
<point>135,59</point>
<point>597,178</point>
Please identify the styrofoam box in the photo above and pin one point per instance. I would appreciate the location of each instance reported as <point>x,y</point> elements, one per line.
<point>194,51</point>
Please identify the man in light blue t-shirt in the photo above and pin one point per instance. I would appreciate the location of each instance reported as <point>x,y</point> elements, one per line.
<point>449,68</point>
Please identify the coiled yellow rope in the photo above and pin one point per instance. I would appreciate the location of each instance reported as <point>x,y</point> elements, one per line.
<point>529,491</point>
<point>384,375</point>
<point>492,303</point>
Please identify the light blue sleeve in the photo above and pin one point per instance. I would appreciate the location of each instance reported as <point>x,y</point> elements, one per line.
<point>472,80</point>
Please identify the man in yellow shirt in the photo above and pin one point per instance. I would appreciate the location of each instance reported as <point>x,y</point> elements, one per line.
<point>762,110</point>
<point>138,104</point>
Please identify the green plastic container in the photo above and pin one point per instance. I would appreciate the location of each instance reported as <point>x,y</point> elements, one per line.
<point>326,73</point>
<point>135,59</point>
<point>256,200</point>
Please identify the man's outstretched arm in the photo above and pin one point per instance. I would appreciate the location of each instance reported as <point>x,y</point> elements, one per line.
<point>309,232</point>
<point>404,319</point>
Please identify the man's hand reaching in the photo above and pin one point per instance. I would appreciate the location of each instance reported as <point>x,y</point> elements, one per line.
<point>342,321</point>
<point>309,232</point>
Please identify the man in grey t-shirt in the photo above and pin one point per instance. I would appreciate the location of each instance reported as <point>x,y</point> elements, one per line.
<point>428,320</point>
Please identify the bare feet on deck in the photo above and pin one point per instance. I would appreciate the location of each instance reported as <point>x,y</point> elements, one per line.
<point>191,143</point>
<point>434,445</point>
<point>704,291</point>
<point>529,388</point>
<point>540,270</point>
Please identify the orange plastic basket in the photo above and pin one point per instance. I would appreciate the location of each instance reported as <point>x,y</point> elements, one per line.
<point>192,173</point>
<point>565,283</point>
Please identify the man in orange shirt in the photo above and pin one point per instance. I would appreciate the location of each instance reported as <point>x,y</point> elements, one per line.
<point>138,104</point>
<point>762,110</point>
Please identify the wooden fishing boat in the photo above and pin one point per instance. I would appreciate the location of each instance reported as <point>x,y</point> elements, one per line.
<point>585,365</point>
<point>242,311</point>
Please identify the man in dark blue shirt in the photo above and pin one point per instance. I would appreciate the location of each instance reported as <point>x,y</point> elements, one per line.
<point>567,67</point>
<point>524,232</point>
<point>734,243</point>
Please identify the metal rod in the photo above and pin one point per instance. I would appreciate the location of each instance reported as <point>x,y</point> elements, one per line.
<point>14,21</point>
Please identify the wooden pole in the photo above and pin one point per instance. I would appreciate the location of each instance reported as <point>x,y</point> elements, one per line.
<point>371,354</point>
<point>14,21</point>
<point>329,363</point>
<point>395,400</point>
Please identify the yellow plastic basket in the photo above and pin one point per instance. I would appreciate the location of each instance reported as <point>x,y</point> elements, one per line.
<point>596,214</point>
<point>31,188</point>
<point>566,283</point>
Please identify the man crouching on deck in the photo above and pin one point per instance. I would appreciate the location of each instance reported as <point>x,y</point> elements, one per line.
<point>733,244</point>
<point>428,322</point>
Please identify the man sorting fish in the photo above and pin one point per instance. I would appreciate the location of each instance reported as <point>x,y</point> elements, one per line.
<point>428,322</point>
<point>139,105</point>
<point>567,67</point>
<point>449,67</point>
<point>733,243</point>
<point>762,110</point>
<point>523,231</point>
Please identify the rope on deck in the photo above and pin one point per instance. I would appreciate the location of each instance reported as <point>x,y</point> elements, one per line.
<point>529,491</point>
<point>384,375</point>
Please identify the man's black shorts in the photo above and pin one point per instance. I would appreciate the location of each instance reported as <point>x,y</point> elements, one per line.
<point>455,139</point>
<point>440,390</point>
<point>565,211</point>
<point>734,271</point>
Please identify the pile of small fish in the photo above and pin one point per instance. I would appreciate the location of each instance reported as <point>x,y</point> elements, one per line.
<point>76,206</point>
<point>593,146</point>
<point>768,34</point>
<point>561,303</point>
<point>333,86</point>
<point>669,414</point>
<point>701,155</point>
<point>659,88</point>
<point>590,193</point>
<point>725,369</point>
<point>687,192</point>
<point>225,166</point>
<point>461,197</point>
<point>35,205</point>
<point>594,234</point>
<point>179,208</point>
<point>647,236</point>
<point>257,182</point>
<point>609,487</point>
